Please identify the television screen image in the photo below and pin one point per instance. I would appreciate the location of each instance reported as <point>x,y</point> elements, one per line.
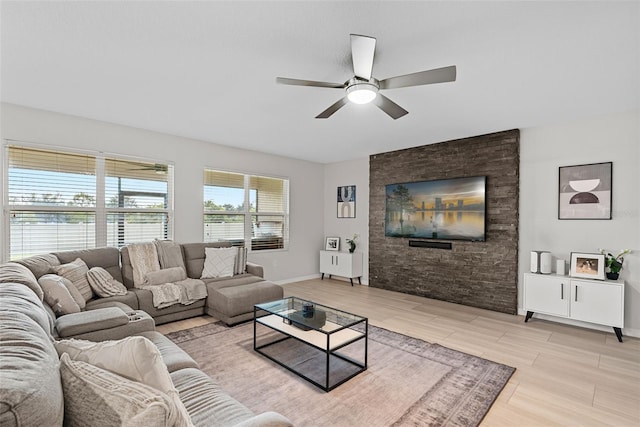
<point>449,209</point>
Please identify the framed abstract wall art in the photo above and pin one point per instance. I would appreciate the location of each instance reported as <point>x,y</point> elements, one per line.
<point>585,191</point>
<point>347,201</point>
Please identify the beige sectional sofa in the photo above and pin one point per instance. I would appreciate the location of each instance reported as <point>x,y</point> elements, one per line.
<point>31,388</point>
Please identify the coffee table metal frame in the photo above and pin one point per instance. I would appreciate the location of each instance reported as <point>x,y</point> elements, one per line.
<point>337,333</point>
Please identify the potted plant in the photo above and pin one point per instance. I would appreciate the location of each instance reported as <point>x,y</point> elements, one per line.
<point>352,243</point>
<point>614,264</point>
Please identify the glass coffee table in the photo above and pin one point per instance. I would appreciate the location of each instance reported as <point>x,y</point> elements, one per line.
<point>323,345</point>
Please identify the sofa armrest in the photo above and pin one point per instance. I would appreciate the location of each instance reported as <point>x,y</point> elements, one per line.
<point>266,419</point>
<point>255,269</point>
<point>73,324</point>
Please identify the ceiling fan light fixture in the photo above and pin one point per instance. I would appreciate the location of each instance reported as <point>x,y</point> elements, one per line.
<point>362,92</point>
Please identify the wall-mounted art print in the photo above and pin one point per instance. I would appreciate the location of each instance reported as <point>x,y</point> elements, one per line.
<point>585,191</point>
<point>347,201</point>
<point>449,209</point>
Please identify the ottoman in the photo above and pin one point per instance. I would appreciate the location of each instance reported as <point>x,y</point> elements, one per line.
<point>234,304</point>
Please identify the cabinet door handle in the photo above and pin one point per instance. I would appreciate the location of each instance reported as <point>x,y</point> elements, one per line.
<point>576,293</point>
<point>336,259</point>
<point>332,260</point>
<point>561,290</point>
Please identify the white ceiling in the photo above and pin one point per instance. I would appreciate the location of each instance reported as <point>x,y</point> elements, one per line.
<point>206,70</point>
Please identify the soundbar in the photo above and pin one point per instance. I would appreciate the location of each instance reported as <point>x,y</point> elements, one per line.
<point>433,245</point>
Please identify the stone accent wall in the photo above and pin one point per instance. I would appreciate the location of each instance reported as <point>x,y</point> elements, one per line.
<point>479,274</point>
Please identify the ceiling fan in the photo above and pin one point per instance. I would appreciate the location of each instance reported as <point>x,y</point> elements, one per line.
<point>362,88</point>
<point>154,167</point>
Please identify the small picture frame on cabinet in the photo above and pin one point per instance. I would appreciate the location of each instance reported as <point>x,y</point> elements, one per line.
<point>587,266</point>
<point>332,244</point>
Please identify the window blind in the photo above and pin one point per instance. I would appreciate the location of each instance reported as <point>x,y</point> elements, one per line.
<point>63,201</point>
<point>245,208</point>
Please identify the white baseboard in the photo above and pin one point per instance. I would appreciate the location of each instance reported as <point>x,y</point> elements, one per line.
<point>316,276</point>
<point>296,279</point>
<point>625,331</point>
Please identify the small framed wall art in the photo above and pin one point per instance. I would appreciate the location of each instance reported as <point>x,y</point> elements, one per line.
<point>587,266</point>
<point>585,191</point>
<point>332,244</point>
<point>347,201</point>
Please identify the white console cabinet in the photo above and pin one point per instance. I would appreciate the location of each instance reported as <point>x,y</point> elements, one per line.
<point>343,264</point>
<point>594,301</point>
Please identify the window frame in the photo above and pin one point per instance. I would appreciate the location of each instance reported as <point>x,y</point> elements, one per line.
<point>247,213</point>
<point>100,211</point>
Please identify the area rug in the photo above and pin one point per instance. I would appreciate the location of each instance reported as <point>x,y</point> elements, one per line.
<point>409,382</point>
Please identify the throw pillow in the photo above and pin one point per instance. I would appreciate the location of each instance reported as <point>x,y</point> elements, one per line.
<point>57,295</point>
<point>97,397</point>
<point>103,283</point>
<point>241,261</point>
<point>218,262</point>
<point>76,272</point>
<point>135,358</point>
<point>167,275</point>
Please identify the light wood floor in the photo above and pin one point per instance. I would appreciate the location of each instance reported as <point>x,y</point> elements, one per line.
<point>566,376</point>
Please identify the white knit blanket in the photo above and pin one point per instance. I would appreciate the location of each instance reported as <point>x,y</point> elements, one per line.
<point>144,259</point>
<point>184,292</point>
<point>145,264</point>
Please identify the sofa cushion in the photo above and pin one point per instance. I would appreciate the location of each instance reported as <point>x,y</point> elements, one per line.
<point>235,300</point>
<point>18,273</point>
<point>173,356</point>
<point>76,271</point>
<point>145,303</point>
<point>206,402</point>
<point>103,283</point>
<point>89,321</point>
<point>16,298</point>
<point>97,397</point>
<point>30,390</point>
<point>40,264</point>
<point>135,358</point>
<point>194,256</point>
<point>238,280</point>
<point>166,275</point>
<point>57,293</point>
<point>106,257</point>
<point>129,299</point>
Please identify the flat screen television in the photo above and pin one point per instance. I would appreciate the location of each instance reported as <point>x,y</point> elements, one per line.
<point>447,209</point>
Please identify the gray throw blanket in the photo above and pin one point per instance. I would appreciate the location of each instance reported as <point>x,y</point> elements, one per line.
<point>169,254</point>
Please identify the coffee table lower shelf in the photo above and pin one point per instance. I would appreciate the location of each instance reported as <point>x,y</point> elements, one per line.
<point>325,359</point>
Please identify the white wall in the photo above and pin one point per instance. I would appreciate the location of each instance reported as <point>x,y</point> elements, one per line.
<point>190,158</point>
<point>355,172</point>
<point>543,150</point>
<point>614,138</point>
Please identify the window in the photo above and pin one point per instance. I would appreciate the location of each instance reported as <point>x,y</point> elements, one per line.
<point>62,201</point>
<point>245,208</point>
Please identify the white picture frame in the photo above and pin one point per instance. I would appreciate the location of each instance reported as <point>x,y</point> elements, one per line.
<point>332,244</point>
<point>587,266</point>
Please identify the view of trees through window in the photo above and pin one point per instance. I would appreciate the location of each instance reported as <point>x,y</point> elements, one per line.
<point>244,208</point>
<point>57,203</point>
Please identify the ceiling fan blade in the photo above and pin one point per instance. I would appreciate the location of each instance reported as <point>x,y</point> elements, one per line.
<point>362,50</point>
<point>389,107</point>
<point>335,107</point>
<point>438,75</point>
<point>298,82</point>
